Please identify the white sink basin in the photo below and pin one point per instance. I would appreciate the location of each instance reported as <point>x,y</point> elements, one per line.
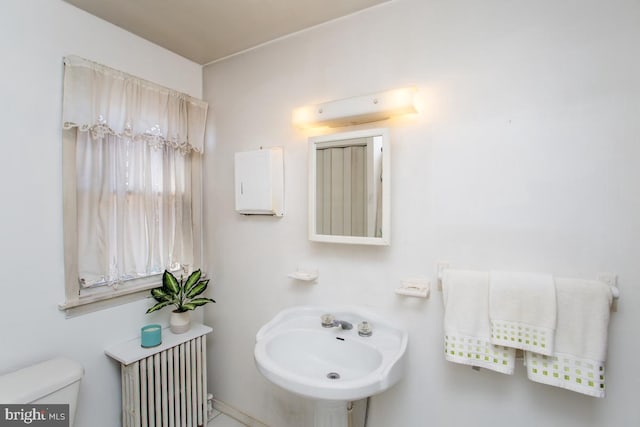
<point>295,352</point>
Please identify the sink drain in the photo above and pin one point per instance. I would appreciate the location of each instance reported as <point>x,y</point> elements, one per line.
<point>333,376</point>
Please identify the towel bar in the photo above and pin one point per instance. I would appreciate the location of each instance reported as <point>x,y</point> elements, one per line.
<point>610,279</point>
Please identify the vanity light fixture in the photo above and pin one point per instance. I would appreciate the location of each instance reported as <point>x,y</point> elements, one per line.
<point>357,110</point>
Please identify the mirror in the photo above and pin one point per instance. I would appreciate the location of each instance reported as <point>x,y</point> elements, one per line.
<point>349,191</point>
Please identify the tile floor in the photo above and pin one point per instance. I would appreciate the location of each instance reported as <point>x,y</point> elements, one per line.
<point>222,420</point>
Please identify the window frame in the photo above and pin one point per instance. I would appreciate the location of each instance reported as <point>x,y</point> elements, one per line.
<point>80,300</point>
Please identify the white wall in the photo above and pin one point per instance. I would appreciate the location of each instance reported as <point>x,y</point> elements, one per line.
<point>34,36</point>
<point>526,157</point>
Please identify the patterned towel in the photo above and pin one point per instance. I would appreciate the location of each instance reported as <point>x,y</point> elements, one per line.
<point>577,362</point>
<point>467,332</point>
<point>522,310</point>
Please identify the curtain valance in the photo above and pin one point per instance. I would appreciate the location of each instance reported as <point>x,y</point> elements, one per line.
<point>101,100</point>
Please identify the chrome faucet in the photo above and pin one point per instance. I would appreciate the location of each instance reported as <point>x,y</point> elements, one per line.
<point>343,324</point>
<point>328,321</point>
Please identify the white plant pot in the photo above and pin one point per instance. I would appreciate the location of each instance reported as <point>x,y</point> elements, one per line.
<point>180,323</point>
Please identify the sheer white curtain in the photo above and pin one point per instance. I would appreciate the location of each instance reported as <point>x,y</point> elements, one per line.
<point>135,146</point>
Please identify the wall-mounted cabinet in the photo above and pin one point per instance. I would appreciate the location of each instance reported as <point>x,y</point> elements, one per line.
<point>259,182</point>
<point>349,187</point>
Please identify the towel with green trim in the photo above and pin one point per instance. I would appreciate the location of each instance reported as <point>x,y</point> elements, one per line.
<point>578,360</point>
<point>467,331</point>
<point>522,310</point>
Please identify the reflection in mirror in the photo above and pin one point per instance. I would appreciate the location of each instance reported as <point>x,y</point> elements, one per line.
<point>348,197</point>
<point>349,186</point>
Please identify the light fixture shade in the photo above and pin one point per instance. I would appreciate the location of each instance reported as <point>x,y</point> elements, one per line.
<point>356,110</point>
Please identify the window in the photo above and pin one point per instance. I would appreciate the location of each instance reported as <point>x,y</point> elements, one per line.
<point>132,183</point>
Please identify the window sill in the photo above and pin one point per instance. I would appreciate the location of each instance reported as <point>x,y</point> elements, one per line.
<point>109,298</point>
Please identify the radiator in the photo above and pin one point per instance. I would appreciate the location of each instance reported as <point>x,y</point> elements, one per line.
<point>168,388</point>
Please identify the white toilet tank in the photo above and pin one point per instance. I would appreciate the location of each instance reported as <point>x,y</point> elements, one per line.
<point>53,381</point>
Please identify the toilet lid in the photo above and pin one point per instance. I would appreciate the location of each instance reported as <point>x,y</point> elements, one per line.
<point>33,382</point>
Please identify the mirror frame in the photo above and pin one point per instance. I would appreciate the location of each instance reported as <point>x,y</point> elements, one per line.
<point>385,240</point>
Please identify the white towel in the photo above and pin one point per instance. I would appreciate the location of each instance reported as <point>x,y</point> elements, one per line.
<point>581,339</point>
<point>467,332</point>
<point>522,309</point>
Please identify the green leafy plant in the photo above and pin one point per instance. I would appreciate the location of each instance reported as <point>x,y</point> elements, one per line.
<point>180,293</point>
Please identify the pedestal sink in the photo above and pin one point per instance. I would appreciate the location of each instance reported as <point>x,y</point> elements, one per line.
<point>330,364</point>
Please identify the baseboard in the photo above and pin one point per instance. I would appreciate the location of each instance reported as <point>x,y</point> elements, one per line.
<point>236,414</point>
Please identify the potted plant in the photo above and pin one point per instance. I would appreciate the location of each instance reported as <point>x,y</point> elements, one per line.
<point>182,294</point>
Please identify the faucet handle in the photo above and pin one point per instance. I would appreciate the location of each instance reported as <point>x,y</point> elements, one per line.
<point>364,329</point>
<point>328,320</point>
